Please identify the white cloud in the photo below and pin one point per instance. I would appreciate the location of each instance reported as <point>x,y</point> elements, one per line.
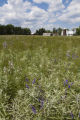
<point>22,13</point>
<point>13,11</point>
<point>54,5</point>
<point>27,14</point>
<point>72,13</point>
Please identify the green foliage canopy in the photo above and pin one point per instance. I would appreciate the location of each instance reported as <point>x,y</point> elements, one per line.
<point>12,30</point>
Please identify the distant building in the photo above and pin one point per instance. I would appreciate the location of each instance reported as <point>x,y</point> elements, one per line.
<point>66,32</point>
<point>46,34</point>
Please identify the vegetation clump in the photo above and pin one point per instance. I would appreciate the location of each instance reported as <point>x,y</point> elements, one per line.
<point>39,78</point>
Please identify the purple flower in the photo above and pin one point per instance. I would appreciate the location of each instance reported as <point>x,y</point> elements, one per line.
<point>27,86</point>
<point>73,55</point>
<point>66,81</point>
<point>41,100</point>
<point>71,83</point>
<point>72,115</point>
<point>4,44</point>
<point>33,81</point>
<point>67,54</point>
<point>33,109</point>
<point>27,80</point>
<point>69,86</point>
<point>79,114</point>
<point>77,56</point>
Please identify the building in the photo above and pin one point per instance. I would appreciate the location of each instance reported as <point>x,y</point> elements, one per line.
<point>66,32</point>
<point>46,34</point>
<point>70,33</point>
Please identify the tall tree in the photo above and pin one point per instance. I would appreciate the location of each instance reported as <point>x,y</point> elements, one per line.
<point>2,30</point>
<point>59,30</point>
<point>27,31</point>
<point>9,29</point>
<point>78,31</point>
<point>40,31</point>
<point>54,31</point>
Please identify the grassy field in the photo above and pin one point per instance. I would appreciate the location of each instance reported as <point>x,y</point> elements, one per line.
<point>39,78</point>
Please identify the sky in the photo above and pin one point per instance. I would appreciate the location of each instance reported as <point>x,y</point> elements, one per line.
<point>36,14</point>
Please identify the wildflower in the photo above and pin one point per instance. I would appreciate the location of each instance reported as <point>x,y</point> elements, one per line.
<point>66,81</point>
<point>73,55</point>
<point>79,114</point>
<point>69,86</point>
<point>27,86</point>
<point>27,80</point>
<point>33,81</point>
<point>72,115</point>
<point>71,83</point>
<point>67,54</point>
<point>77,56</point>
<point>41,102</point>
<point>4,44</point>
<point>33,109</point>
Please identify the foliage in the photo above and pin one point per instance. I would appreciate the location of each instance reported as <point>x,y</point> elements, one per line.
<point>54,31</point>
<point>39,78</point>
<point>59,30</point>
<point>40,31</point>
<point>11,30</point>
<point>78,31</point>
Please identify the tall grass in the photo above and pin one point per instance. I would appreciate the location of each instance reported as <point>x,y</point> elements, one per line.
<point>39,78</point>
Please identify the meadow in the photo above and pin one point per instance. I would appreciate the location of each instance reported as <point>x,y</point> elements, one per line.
<point>39,78</point>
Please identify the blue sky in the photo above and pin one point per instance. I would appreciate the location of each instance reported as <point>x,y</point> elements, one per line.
<point>40,13</point>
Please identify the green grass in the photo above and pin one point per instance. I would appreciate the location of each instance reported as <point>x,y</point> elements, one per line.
<point>50,61</point>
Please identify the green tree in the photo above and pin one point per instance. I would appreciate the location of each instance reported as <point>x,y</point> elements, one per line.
<point>27,31</point>
<point>59,30</point>
<point>2,30</point>
<point>17,30</point>
<point>9,29</point>
<point>54,31</point>
<point>78,31</point>
<point>40,31</point>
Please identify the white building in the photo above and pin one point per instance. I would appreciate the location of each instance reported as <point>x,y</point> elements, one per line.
<point>70,33</point>
<point>46,34</point>
<point>66,32</point>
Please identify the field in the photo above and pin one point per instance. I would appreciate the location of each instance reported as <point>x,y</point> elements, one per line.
<point>39,78</point>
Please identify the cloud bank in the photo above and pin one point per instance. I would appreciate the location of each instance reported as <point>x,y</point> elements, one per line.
<point>28,14</point>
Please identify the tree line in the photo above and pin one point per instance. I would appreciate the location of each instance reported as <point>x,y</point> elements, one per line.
<point>55,31</point>
<point>78,31</point>
<point>43,30</point>
<point>13,30</point>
